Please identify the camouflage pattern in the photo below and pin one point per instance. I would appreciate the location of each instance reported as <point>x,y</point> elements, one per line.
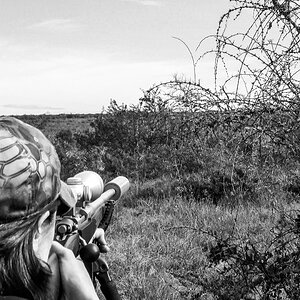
<point>29,169</point>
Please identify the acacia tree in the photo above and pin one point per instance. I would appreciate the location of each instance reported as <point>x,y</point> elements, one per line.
<point>256,80</point>
<point>266,53</point>
<point>266,81</point>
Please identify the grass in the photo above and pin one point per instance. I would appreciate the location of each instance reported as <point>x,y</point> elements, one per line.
<point>52,124</point>
<point>217,234</point>
<point>168,249</point>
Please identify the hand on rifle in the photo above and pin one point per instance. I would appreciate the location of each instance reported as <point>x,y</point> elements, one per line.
<point>75,280</point>
<point>99,239</point>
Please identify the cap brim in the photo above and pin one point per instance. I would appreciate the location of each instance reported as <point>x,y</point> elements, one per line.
<point>67,199</point>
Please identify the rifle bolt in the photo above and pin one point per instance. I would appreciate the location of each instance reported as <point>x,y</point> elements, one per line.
<point>89,253</point>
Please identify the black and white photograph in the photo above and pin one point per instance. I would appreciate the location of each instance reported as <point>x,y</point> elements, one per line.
<point>149,150</point>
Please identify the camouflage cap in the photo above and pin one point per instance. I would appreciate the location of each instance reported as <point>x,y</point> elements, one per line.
<point>29,171</point>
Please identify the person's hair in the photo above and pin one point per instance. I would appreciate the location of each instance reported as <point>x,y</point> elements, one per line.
<point>22,273</point>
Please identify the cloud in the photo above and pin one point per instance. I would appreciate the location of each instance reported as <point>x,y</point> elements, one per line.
<point>73,84</point>
<point>55,25</point>
<point>146,2</point>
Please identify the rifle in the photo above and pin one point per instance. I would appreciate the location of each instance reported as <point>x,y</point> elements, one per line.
<point>93,211</point>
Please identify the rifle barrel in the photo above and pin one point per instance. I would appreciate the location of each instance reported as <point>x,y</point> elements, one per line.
<point>92,207</point>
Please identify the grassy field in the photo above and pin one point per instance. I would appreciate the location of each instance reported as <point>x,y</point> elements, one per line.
<point>178,249</point>
<point>169,240</point>
<point>52,124</point>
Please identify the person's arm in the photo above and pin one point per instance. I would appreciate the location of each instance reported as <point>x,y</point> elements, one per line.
<point>76,283</point>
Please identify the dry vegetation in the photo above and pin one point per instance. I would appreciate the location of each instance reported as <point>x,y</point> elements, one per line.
<point>174,249</point>
<point>213,209</point>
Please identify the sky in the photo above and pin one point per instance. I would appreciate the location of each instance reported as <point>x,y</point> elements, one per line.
<point>74,56</point>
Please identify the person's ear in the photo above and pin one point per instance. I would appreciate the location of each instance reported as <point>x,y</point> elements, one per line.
<point>42,222</point>
<point>40,229</point>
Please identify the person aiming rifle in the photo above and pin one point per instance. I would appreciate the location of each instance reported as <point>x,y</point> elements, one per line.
<point>32,195</point>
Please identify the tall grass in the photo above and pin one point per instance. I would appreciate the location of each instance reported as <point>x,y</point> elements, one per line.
<point>173,248</point>
<point>213,223</point>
